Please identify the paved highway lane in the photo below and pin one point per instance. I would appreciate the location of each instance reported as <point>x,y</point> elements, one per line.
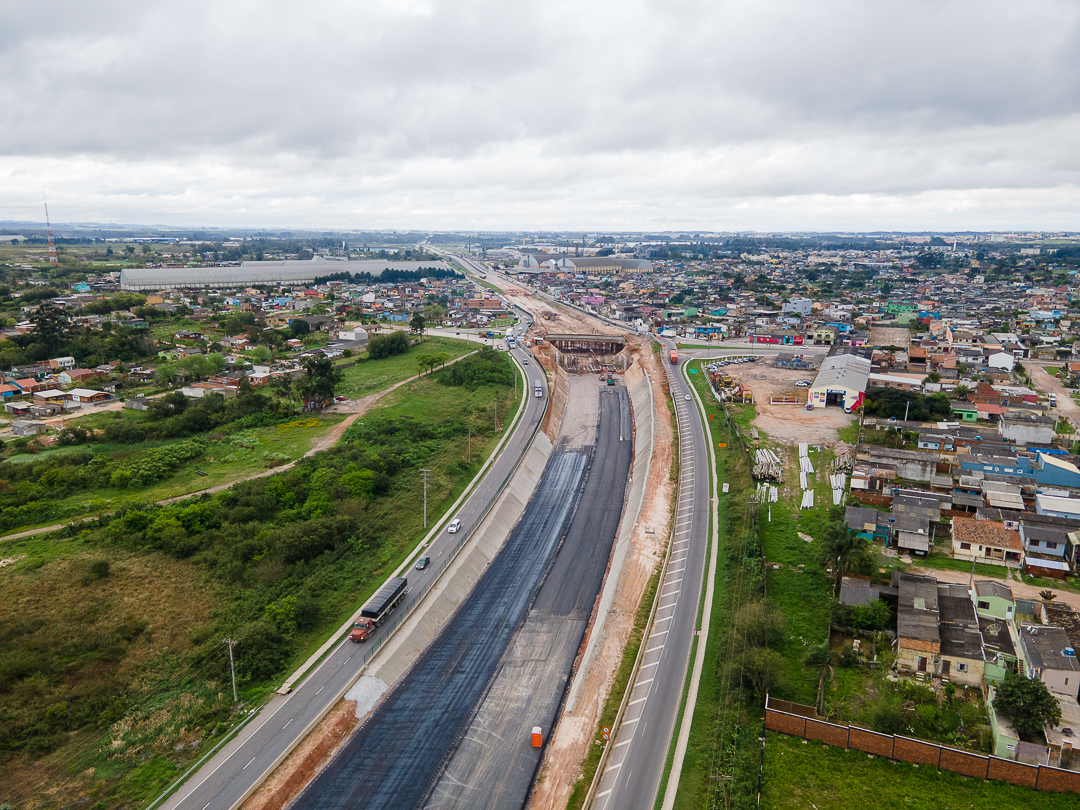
<point>229,776</point>
<point>639,750</point>
<point>392,762</point>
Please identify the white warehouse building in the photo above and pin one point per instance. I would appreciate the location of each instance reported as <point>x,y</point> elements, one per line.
<point>841,380</point>
<point>284,273</point>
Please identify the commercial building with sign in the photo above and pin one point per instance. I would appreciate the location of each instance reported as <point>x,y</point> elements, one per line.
<point>841,381</point>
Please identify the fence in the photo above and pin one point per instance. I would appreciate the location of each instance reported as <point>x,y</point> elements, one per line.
<point>869,499</point>
<point>802,721</point>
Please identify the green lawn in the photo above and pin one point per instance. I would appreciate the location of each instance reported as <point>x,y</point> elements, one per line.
<point>811,776</point>
<point>368,377</point>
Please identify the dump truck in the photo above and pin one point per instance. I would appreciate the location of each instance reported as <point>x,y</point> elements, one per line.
<point>674,357</point>
<point>378,607</point>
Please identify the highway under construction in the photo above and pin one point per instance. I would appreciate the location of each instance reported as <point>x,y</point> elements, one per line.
<point>455,730</point>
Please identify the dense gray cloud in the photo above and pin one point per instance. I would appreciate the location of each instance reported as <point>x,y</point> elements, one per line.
<point>767,114</point>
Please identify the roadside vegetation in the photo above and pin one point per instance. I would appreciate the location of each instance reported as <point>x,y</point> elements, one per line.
<point>113,675</point>
<point>800,774</point>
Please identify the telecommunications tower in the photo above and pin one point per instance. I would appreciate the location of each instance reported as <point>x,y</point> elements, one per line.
<point>48,229</point>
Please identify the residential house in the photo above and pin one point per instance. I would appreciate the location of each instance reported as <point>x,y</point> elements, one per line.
<point>1047,655</point>
<point>24,428</point>
<point>77,375</point>
<point>918,638</point>
<point>87,395</point>
<point>62,363</point>
<point>961,656</point>
<point>987,542</point>
<point>1026,427</point>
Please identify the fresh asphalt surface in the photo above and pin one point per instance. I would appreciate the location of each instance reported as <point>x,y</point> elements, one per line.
<point>640,747</point>
<point>392,762</point>
<point>241,764</point>
<point>495,765</point>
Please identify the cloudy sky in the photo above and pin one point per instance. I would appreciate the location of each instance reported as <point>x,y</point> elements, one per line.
<point>503,114</point>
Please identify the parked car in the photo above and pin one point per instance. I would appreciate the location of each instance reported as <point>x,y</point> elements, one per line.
<point>802,384</point>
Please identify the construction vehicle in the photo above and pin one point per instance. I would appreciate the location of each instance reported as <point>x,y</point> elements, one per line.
<point>611,379</point>
<point>378,607</point>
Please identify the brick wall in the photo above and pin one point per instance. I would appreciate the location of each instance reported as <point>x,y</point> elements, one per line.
<point>870,741</point>
<point>919,752</point>
<point>828,733</point>
<point>1015,773</point>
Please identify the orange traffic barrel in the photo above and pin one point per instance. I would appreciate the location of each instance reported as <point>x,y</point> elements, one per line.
<point>537,737</point>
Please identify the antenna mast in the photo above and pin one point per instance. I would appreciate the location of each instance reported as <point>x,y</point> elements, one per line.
<point>48,229</point>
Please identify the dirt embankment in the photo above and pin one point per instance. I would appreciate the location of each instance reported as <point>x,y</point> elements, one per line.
<point>576,732</point>
<point>305,762</point>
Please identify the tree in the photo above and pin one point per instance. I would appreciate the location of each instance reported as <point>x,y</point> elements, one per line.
<point>317,385</point>
<point>961,392</point>
<point>843,549</point>
<point>50,326</point>
<point>1027,703</point>
<point>417,325</point>
<point>933,377</point>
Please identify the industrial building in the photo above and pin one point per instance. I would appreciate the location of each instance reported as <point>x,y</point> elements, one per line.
<point>284,273</point>
<point>841,380</point>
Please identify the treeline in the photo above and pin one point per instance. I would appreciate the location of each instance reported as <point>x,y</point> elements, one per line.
<point>486,367</point>
<point>893,403</point>
<point>174,416</point>
<point>390,276</point>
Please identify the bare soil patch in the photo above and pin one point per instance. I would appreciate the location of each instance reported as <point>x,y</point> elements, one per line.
<point>788,423</point>
<point>306,760</point>
<point>890,336</point>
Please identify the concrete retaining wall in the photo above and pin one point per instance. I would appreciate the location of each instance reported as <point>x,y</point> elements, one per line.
<point>641,401</point>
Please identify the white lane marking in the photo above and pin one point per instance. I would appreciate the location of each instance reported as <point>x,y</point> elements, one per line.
<point>613,767</point>
<point>347,660</point>
<point>642,683</point>
<point>678,571</point>
<point>287,724</point>
<point>639,700</point>
<point>321,688</point>
<point>673,581</point>
<point>654,649</point>
<point>653,664</point>
<point>624,742</point>
<point>249,762</point>
<point>661,633</point>
<point>598,795</point>
<point>206,805</point>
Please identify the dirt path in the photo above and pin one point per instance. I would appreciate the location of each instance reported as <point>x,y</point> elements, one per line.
<point>1046,381</point>
<point>1019,589</point>
<point>355,408</point>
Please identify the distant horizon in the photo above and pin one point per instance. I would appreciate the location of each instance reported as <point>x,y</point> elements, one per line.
<point>701,232</point>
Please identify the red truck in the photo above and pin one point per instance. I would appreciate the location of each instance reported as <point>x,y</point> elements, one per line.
<point>674,357</point>
<point>378,607</point>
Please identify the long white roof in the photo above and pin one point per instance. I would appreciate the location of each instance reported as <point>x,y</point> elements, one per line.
<point>276,272</point>
<point>846,371</point>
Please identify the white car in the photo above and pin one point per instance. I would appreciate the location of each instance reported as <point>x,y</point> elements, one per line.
<point>802,384</point>
<point>454,525</point>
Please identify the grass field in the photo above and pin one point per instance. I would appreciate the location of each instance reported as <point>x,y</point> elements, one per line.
<point>810,776</point>
<point>366,378</point>
<point>145,622</point>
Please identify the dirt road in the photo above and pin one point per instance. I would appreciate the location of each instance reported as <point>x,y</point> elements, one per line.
<point>1019,589</point>
<point>1046,381</point>
<point>355,409</point>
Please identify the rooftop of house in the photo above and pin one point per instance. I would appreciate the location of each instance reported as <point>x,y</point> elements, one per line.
<point>918,607</point>
<point>992,588</point>
<point>985,533</point>
<point>1044,648</point>
<point>995,638</point>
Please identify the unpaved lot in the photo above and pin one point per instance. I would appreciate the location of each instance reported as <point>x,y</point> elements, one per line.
<point>890,336</point>
<point>788,423</point>
<point>1047,382</point>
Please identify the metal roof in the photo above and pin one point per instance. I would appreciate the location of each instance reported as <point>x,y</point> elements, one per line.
<point>847,371</point>
<point>277,272</point>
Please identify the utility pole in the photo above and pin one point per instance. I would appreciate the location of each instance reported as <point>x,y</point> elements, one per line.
<point>425,473</point>
<point>232,668</point>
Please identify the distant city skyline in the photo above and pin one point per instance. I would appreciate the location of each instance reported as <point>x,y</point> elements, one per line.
<point>773,116</point>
